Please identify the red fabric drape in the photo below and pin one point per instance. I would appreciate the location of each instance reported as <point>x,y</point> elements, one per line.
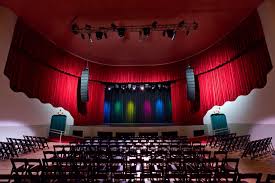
<point>232,67</point>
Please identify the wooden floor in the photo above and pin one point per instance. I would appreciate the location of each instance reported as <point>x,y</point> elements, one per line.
<point>264,165</point>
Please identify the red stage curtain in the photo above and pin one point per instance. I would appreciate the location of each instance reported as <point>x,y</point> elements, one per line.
<point>232,67</point>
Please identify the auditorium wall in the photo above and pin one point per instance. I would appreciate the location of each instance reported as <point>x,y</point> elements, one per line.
<point>19,114</point>
<point>255,113</point>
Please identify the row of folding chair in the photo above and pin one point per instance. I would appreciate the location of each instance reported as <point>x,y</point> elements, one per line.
<point>216,140</point>
<point>64,170</point>
<point>7,150</point>
<point>234,143</point>
<point>258,148</point>
<point>37,142</point>
<point>21,146</point>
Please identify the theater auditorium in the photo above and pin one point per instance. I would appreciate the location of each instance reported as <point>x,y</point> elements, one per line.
<point>137,91</point>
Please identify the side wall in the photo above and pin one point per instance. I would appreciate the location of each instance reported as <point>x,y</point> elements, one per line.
<point>19,115</point>
<point>255,113</point>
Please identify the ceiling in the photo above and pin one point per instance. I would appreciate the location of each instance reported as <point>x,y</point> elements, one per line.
<point>52,18</point>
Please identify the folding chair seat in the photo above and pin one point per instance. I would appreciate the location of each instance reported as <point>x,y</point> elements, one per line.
<point>249,177</point>
<point>220,155</point>
<point>19,169</point>
<point>151,178</point>
<point>175,178</point>
<point>156,165</point>
<point>174,165</point>
<point>230,165</point>
<point>222,177</point>
<point>49,154</point>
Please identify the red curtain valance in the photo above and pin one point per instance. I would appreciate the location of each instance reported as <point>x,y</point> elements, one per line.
<point>232,67</point>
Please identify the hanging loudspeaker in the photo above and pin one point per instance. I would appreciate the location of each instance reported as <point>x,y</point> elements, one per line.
<point>84,85</point>
<point>191,86</point>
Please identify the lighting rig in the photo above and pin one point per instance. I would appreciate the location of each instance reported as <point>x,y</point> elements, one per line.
<point>101,32</point>
<point>137,86</point>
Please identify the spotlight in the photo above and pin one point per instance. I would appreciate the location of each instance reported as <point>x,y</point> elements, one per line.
<point>164,33</point>
<point>123,87</point>
<point>82,36</point>
<point>121,31</point>
<point>129,86</point>
<point>153,87</point>
<point>195,25</point>
<point>90,37</point>
<point>181,24</point>
<point>159,86</point>
<point>75,28</point>
<point>171,34</point>
<point>146,31</point>
<point>147,85</point>
<point>99,35</point>
<point>141,87</point>
<point>105,35</point>
<point>154,24</point>
<point>113,26</point>
<point>134,87</point>
<point>88,27</point>
<point>140,35</point>
<point>109,88</point>
<point>116,86</point>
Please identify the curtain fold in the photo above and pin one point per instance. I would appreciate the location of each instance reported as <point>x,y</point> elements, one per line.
<point>232,67</point>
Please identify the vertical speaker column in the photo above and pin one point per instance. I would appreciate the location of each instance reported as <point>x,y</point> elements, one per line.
<point>191,85</point>
<point>84,85</point>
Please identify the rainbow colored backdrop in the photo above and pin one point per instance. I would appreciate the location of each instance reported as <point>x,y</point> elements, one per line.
<point>137,107</point>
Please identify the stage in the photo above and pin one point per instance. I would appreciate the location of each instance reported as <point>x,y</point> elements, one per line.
<point>138,128</point>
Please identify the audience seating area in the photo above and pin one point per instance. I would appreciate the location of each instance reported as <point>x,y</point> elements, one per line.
<point>258,148</point>
<point>13,147</point>
<point>135,159</point>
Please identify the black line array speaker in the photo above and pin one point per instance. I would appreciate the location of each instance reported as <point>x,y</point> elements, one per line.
<point>191,85</point>
<point>84,81</point>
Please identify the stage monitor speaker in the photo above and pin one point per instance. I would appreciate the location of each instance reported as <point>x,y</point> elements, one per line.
<point>105,134</point>
<point>169,134</point>
<point>198,133</point>
<point>78,133</point>
<point>191,85</point>
<point>84,85</point>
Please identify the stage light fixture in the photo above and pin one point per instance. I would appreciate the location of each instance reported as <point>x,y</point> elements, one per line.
<point>116,86</point>
<point>195,25</point>
<point>75,28</point>
<point>154,24</point>
<point>121,32</point>
<point>129,86</point>
<point>88,27</point>
<point>171,33</point>
<point>164,33</point>
<point>114,27</point>
<point>134,87</point>
<point>105,35</point>
<point>90,37</point>
<point>159,86</point>
<point>82,36</point>
<point>99,35</point>
<point>141,87</point>
<point>146,31</point>
<point>181,24</point>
